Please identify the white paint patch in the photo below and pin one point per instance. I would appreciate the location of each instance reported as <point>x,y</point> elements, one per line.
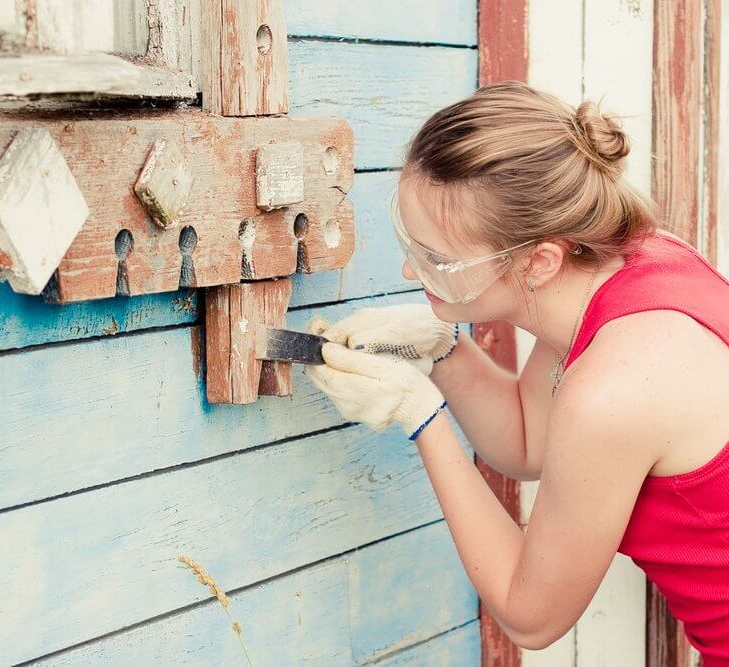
<point>330,160</point>
<point>243,325</point>
<point>332,234</point>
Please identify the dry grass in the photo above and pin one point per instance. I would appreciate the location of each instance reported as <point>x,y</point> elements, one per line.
<point>203,576</point>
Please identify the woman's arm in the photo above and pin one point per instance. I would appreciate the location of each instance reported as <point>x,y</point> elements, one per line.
<point>537,585</point>
<point>489,405</point>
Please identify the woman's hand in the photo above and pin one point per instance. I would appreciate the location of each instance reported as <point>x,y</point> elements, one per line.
<point>410,331</point>
<point>377,391</point>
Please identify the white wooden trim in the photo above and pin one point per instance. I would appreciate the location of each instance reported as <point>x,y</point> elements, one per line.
<point>96,74</point>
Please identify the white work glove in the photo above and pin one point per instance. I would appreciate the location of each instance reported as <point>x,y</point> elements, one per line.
<point>410,331</point>
<point>375,390</point>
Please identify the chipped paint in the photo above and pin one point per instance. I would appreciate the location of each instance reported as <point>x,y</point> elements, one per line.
<point>111,329</point>
<point>633,8</point>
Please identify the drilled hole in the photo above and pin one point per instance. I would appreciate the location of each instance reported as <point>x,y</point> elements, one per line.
<point>331,160</point>
<point>301,225</point>
<point>264,39</point>
<point>123,244</point>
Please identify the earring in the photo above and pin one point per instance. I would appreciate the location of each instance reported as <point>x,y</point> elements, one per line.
<point>529,285</point>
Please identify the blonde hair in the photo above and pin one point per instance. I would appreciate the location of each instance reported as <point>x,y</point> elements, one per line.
<point>511,164</point>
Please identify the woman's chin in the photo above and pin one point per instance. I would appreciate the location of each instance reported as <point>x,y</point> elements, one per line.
<point>433,298</point>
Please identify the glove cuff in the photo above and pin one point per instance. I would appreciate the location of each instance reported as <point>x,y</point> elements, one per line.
<point>414,435</point>
<point>453,347</point>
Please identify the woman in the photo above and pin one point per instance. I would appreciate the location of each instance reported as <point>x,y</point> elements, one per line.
<point>512,206</point>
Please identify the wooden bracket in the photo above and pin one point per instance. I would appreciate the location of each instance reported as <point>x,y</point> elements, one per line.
<point>120,249</point>
<point>234,375</point>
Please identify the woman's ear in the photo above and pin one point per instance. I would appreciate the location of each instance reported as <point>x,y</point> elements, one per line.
<point>545,262</point>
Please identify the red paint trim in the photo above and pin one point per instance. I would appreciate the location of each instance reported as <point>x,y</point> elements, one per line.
<point>503,55</point>
<point>683,84</point>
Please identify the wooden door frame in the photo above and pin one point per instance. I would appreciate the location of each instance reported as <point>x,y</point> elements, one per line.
<point>502,54</point>
<point>686,42</point>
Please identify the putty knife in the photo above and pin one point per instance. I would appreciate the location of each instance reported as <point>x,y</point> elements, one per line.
<point>285,345</point>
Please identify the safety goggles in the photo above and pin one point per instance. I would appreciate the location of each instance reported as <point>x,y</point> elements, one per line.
<point>454,281</point>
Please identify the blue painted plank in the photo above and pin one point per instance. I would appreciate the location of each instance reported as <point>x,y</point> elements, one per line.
<point>27,320</point>
<point>385,92</point>
<point>314,616</point>
<point>458,648</point>
<point>375,268</point>
<point>84,565</point>
<point>435,600</point>
<point>92,412</point>
<point>433,21</point>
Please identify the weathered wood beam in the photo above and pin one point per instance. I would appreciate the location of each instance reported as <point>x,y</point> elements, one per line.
<point>96,75</point>
<point>231,238</point>
<point>231,313</point>
<point>503,54</point>
<point>685,186</point>
<point>244,58</point>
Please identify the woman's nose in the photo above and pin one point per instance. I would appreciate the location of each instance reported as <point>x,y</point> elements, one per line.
<point>407,271</point>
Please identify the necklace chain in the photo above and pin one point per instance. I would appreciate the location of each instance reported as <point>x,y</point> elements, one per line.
<point>558,370</point>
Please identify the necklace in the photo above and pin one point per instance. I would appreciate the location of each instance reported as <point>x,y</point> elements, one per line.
<point>558,370</point>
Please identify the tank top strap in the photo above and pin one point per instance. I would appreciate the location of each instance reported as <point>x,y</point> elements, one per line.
<point>663,274</point>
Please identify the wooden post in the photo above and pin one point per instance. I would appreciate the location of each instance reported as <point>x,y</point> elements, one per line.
<point>503,54</point>
<point>685,107</point>
<point>245,73</point>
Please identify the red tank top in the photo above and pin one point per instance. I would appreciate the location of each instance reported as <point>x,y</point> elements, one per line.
<point>678,532</point>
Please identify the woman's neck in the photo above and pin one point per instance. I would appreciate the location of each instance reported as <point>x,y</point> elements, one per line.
<point>553,311</point>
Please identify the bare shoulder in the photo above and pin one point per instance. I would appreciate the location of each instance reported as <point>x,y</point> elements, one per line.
<point>660,373</point>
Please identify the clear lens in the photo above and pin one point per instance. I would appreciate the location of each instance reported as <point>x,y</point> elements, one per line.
<point>450,280</point>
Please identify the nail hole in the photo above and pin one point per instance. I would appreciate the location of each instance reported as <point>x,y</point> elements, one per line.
<point>264,39</point>
<point>332,234</point>
<point>123,244</point>
<point>331,160</point>
<point>301,225</point>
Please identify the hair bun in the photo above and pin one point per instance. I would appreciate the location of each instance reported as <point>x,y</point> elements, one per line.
<point>604,135</point>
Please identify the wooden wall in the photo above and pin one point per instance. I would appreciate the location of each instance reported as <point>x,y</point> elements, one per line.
<point>327,537</point>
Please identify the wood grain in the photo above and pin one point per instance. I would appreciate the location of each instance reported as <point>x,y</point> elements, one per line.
<point>503,54</point>
<point>106,559</point>
<point>325,614</point>
<point>677,103</point>
<point>141,407</point>
<point>105,154</point>
<point>94,76</point>
<point>244,58</point>
<point>234,374</point>
<point>676,119</point>
<point>710,188</point>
